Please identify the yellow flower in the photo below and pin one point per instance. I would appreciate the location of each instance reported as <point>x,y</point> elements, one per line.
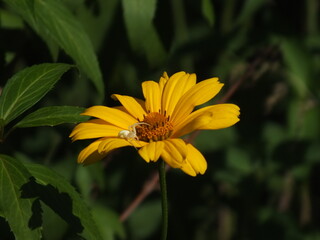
<point>154,126</point>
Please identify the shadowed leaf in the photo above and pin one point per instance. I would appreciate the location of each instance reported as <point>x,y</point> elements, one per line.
<point>60,195</point>
<point>17,211</point>
<point>52,116</point>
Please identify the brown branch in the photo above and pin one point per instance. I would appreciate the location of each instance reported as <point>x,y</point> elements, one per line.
<point>149,186</point>
<point>287,192</point>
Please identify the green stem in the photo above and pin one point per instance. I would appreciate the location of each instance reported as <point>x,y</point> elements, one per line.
<point>164,199</point>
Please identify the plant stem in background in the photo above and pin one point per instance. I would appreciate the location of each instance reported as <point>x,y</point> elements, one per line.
<point>164,199</point>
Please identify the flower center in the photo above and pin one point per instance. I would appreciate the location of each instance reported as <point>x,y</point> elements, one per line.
<point>158,127</point>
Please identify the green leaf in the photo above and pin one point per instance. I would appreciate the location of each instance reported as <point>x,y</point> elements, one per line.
<point>16,210</point>
<point>142,229</point>
<point>54,22</point>
<point>50,218</point>
<point>86,177</point>
<point>46,178</point>
<point>208,11</point>
<point>273,135</point>
<point>299,65</point>
<point>208,141</point>
<point>250,8</point>
<point>23,8</point>
<point>97,26</point>
<point>227,176</point>
<point>66,30</point>
<point>52,116</point>
<point>303,119</point>
<point>301,172</point>
<point>114,228</point>
<point>9,20</point>
<point>27,87</point>
<point>138,16</point>
<point>238,160</point>
<point>313,153</point>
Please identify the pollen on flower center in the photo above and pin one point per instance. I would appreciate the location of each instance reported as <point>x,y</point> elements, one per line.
<point>158,127</point>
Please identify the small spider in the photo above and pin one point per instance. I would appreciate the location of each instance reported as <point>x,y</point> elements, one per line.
<point>131,133</point>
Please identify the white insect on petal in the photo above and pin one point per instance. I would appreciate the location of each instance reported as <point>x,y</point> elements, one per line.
<point>131,133</point>
<point>123,134</point>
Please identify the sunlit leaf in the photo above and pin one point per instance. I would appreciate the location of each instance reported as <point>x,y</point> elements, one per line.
<point>27,87</point>
<point>17,211</point>
<point>52,116</point>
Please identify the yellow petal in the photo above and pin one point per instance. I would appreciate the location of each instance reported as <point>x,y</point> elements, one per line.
<point>200,93</point>
<point>163,81</point>
<point>196,160</point>
<point>123,109</point>
<point>152,94</point>
<point>174,152</point>
<point>111,115</point>
<point>175,87</point>
<point>195,163</point>
<point>95,128</point>
<point>90,154</point>
<point>210,118</point>
<point>193,122</point>
<point>131,105</point>
<point>188,169</point>
<point>151,151</point>
<point>108,144</point>
<point>223,115</point>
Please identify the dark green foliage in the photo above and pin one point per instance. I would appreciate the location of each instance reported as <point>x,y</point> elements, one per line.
<point>58,57</point>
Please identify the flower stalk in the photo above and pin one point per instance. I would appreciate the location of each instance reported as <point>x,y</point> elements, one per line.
<point>164,199</point>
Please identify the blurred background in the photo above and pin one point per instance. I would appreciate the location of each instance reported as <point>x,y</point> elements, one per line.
<point>263,173</point>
